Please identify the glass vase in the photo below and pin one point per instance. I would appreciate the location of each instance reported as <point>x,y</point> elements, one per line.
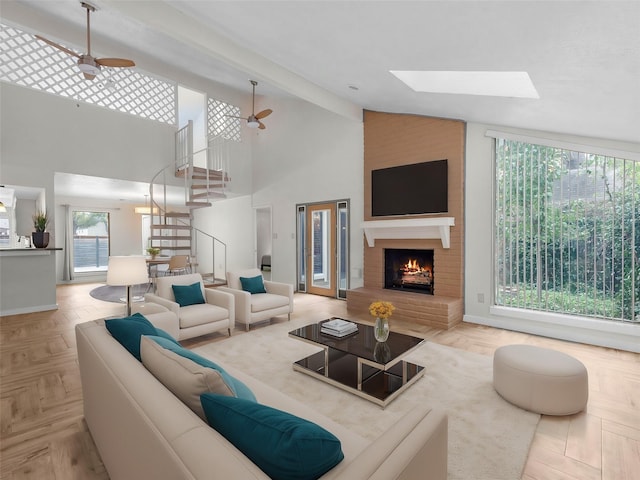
<point>381,329</point>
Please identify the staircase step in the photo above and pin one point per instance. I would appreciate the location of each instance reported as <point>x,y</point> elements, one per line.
<point>199,178</point>
<point>170,237</point>
<point>198,204</point>
<point>208,194</point>
<point>163,226</point>
<point>178,215</point>
<point>204,186</point>
<point>201,173</point>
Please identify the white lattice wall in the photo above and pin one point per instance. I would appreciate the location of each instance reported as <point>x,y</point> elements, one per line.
<point>27,61</point>
<point>219,123</point>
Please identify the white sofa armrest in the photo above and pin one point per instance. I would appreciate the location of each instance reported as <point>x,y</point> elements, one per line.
<point>168,304</point>
<point>224,300</point>
<point>242,303</point>
<point>278,288</point>
<point>415,446</point>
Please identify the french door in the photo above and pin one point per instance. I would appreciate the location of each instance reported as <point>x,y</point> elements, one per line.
<point>323,248</point>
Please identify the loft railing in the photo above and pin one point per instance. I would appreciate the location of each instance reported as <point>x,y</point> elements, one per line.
<point>213,160</point>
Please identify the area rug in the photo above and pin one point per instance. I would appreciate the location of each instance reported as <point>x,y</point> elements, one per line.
<point>489,438</point>
<point>110,293</point>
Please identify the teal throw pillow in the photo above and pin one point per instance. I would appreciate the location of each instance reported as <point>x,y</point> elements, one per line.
<point>128,330</point>
<point>240,390</point>
<point>188,294</point>
<point>284,446</point>
<point>253,284</point>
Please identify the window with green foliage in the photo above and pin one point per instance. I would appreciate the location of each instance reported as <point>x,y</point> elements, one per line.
<point>567,231</point>
<point>90,241</point>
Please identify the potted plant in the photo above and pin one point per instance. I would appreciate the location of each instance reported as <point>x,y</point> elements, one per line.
<point>40,222</point>
<point>153,251</point>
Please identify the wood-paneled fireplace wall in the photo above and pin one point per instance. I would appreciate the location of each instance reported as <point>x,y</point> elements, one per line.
<point>398,139</point>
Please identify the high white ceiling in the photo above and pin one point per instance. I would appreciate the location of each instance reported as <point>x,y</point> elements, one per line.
<point>583,57</point>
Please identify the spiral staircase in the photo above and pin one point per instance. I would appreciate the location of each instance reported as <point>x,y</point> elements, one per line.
<point>172,230</point>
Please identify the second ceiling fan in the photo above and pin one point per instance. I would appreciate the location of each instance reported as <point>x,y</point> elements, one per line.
<point>253,120</point>
<point>88,65</point>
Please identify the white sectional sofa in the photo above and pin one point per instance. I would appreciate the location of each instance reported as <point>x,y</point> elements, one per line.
<point>143,431</point>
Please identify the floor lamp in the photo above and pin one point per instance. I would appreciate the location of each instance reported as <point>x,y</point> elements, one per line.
<point>126,272</point>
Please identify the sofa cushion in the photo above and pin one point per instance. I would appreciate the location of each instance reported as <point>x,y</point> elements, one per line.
<point>186,379</point>
<point>186,295</point>
<point>284,446</point>
<point>267,301</point>
<point>128,330</point>
<point>200,314</point>
<point>238,388</point>
<point>253,285</point>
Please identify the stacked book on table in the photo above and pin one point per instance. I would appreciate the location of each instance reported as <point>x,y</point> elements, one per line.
<point>338,328</point>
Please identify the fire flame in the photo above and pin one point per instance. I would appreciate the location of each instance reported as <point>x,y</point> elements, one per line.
<point>413,266</point>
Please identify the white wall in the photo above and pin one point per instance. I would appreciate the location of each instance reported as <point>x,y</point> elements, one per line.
<point>479,209</point>
<point>43,134</point>
<point>231,221</point>
<point>307,154</point>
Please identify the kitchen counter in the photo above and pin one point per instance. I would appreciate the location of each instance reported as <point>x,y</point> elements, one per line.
<point>27,280</point>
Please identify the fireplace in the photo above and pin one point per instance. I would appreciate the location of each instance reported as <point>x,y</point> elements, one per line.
<point>409,270</point>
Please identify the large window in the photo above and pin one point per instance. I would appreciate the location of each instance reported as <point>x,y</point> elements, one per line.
<point>567,232</point>
<point>90,241</point>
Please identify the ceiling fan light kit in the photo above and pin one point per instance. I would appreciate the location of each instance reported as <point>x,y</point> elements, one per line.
<point>253,120</point>
<point>88,65</point>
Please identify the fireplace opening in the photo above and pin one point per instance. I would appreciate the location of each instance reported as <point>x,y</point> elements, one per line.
<point>409,270</point>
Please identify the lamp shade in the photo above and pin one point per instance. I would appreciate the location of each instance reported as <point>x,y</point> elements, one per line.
<point>124,271</point>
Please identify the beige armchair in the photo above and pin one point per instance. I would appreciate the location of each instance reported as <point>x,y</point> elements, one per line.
<point>217,313</point>
<point>256,307</point>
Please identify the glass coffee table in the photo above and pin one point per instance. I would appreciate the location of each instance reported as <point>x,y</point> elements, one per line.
<point>359,364</point>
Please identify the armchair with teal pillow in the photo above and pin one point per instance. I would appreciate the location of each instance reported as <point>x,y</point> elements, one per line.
<point>199,310</point>
<point>186,295</point>
<point>257,299</point>
<point>253,285</point>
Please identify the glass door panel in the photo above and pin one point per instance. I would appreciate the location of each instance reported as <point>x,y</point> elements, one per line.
<point>302,248</point>
<point>321,249</point>
<point>343,249</point>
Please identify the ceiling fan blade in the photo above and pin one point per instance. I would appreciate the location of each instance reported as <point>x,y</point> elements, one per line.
<point>115,62</point>
<point>264,113</point>
<point>234,116</point>
<point>88,76</point>
<point>59,47</point>
<point>261,125</point>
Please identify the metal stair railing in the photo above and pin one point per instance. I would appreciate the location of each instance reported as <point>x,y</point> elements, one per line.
<point>217,257</point>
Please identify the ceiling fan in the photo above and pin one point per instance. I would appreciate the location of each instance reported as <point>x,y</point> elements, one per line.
<point>253,120</point>
<point>88,65</point>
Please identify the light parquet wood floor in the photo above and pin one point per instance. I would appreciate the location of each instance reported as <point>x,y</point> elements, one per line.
<point>43,434</point>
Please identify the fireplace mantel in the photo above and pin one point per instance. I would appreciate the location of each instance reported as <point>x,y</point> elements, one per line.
<point>412,228</point>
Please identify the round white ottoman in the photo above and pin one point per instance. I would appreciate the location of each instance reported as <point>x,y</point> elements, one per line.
<point>540,380</point>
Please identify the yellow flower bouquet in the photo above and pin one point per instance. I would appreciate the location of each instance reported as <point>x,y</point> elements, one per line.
<point>381,309</point>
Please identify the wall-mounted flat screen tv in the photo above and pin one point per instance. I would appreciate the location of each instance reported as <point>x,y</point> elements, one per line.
<point>413,189</point>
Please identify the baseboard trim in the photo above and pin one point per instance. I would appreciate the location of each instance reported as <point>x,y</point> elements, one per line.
<point>621,336</point>
<point>20,311</point>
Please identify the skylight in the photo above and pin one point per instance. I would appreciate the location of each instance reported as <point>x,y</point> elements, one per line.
<point>496,84</point>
